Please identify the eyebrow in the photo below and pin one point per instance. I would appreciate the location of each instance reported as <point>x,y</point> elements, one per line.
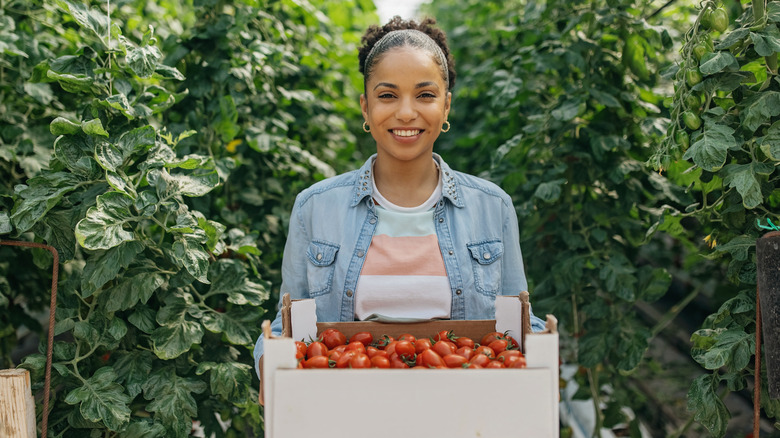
<point>395,87</point>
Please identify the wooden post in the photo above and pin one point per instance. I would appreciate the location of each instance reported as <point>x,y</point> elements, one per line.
<point>768,278</point>
<point>17,407</point>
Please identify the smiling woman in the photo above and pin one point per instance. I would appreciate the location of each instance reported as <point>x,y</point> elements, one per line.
<point>404,237</point>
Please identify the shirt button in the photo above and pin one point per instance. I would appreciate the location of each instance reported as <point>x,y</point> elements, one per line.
<point>372,221</point>
<point>450,252</point>
<point>486,256</point>
<point>458,292</point>
<point>349,292</point>
<point>319,256</point>
<point>441,219</point>
<point>360,253</point>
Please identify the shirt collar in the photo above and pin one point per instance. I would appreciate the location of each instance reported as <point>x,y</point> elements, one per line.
<point>364,188</point>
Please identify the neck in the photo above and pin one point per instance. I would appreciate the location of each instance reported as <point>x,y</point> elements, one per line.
<point>407,185</point>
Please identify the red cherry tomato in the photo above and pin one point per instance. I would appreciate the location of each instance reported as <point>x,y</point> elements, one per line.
<point>454,361</point>
<point>300,349</point>
<point>490,337</point>
<point>364,338</point>
<point>495,364</point>
<point>317,362</point>
<point>396,362</point>
<point>332,337</point>
<point>343,361</point>
<point>444,348</point>
<point>466,352</point>
<point>479,359</point>
<point>499,345</point>
<point>502,356</point>
<point>444,335</point>
<point>360,360</point>
<point>380,362</point>
<point>464,342</point>
<point>407,337</point>
<point>519,363</point>
<point>316,348</point>
<point>356,346</point>
<point>404,349</point>
<point>422,344</point>
<point>486,351</point>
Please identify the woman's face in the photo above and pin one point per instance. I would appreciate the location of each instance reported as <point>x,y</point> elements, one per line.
<point>406,103</point>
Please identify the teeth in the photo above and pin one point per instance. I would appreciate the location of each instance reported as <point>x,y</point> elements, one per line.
<point>406,132</point>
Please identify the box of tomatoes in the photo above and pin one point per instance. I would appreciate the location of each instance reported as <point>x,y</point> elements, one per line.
<point>439,378</point>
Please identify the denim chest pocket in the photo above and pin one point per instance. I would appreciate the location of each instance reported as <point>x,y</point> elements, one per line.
<point>485,257</point>
<point>319,272</point>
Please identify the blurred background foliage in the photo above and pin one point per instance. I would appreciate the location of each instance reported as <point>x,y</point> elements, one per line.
<point>562,103</point>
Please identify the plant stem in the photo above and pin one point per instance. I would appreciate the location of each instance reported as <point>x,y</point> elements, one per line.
<point>673,312</point>
<point>593,380</point>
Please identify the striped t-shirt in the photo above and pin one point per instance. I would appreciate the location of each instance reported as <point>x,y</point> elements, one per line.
<point>403,275</point>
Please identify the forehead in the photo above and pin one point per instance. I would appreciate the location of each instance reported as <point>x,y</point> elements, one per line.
<point>407,63</point>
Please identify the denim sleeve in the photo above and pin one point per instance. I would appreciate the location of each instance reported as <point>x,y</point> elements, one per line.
<point>293,272</point>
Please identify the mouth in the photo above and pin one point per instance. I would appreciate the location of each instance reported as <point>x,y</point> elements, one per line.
<point>406,132</point>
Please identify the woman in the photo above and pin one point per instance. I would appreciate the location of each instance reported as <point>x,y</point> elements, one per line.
<point>403,237</point>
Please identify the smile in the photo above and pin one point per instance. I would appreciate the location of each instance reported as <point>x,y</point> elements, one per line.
<point>406,132</point>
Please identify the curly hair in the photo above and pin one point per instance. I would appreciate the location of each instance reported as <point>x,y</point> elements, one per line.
<point>428,26</point>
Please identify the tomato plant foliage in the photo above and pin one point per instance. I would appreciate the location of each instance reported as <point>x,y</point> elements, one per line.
<point>731,165</point>
<point>160,159</point>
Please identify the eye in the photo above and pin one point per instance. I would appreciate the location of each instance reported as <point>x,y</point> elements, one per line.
<point>385,96</point>
<point>427,95</point>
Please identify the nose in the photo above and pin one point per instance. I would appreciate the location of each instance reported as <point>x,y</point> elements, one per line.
<point>406,110</point>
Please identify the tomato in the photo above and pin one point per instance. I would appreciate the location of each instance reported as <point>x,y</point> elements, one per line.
<point>474,366</point>
<point>700,49</point>
<point>390,348</point>
<point>364,338</point>
<point>317,362</point>
<point>444,335</point>
<point>693,76</point>
<point>479,359</point>
<point>360,360</point>
<point>444,348</point>
<point>486,351</point>
<point>490,337</point>
<point>465,352</point>
<point>340,348</point>
<point>316,348</point>
<point>404,349</point>
<point>407,337</point>
<point>691,120</point>
<point>519,363</point>
<point>334,355</point>
<point>720,20</point>
<point>454,361</point>
<point>682,139</point>
<point>692,102</point>
<point>495,364</point>
<point>511,360</point>
<point>343,361</point>
<point>512,343</point>
<point>502,356</point>
<point>430,359</point>
<point>300,350</point>
<point>380,362</point>
<point>332,338</point>
<point>499,345</point>
<point>422,344</point>
<point>706,18</point>
<point>396,362</point>
<point>464,342</point>
<point>384,341</point>
<point>356,346</point>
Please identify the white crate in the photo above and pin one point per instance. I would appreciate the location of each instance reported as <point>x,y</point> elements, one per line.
<point>456,403</point>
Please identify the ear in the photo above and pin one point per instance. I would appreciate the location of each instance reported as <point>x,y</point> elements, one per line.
<point>447,104</point>
<point>364,106</point>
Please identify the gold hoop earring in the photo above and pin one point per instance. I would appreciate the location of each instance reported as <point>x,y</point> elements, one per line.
<point>447,122</point>
<point>366,128</point>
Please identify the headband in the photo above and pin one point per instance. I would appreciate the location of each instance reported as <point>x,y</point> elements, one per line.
<point>415,38</point>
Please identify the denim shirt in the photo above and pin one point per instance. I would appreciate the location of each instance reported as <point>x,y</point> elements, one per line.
<point>333,221</point>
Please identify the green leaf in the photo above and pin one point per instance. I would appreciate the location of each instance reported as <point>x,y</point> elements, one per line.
<point>549,191</point>
<point>766,41</point>
<point>72,83</point>
<point>102,399</point>
<point>133,369</point>
<point>91,19</point>
<point>39,196</point>
<point>773,12</point>
<point>632,347</point>
<point>104,266</point>
<point>177,334</point>
<point>229,277</point>
<point>172,401</point>
<point>169,186</point>
<point>236,324</point>
<point>169,72</point>
<point>231,380</point>
<point>743,178</point>
<point>75,151</point>
<point>567,111</point>
<point>94,127</point>
<point>111,157</point>
<point>710,150</point>
<point>592,349</point>
<point>143,319</point>
<point>732,38</point>
<point>709,409</point>
<point>225,122</point>
<point>738,247</point>
<point>715,62</point>
<point>133,288</point>
<point>144,429</point>
<point>732,349</point>
<point>770,143</point>
<point>189,254</point>
<point>104,225</point>
<point>760,108</point>
<point>56,229</point>
<point>63,126</point>
<point>5,223</point>
<point>144,60</point>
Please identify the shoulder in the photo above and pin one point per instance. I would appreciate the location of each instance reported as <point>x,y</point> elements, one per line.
<point>333,188</point>
<point>475,188</point>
